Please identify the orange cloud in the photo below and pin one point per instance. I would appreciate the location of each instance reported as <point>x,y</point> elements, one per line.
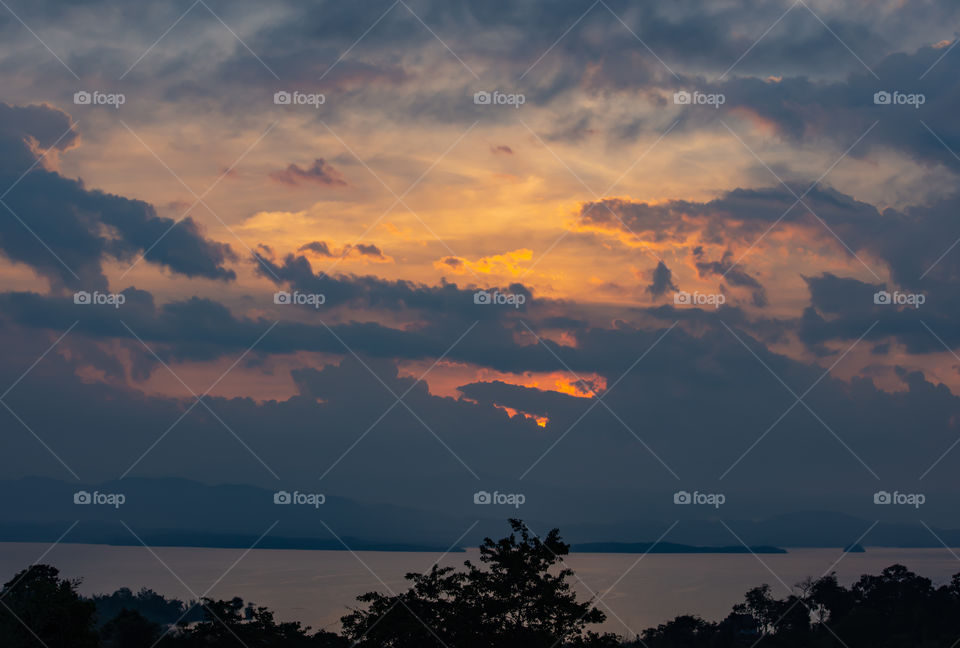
<point>511,412</point>
<point>506,263</point>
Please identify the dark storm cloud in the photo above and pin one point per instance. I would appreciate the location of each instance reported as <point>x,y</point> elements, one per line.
<point>710,36</point>
<point>24,129</point>
<point>909,241</point>
<point>661,280</point>
<point>832,295</point>
<point>739,215</point>
<point>914,244</point>
<point>805,109</point>
<point>800,78</point>
<point>845,309</point>
<point>695,45</point>
<point>373,292</point>
<point>431,319</point>
<point>67,230</point>
<point>304,45</point>
<point>204,329</point>
<point>734,276</point>
<point>301,437</point>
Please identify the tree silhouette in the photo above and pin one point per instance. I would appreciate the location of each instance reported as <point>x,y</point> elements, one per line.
<point>38,608</point>
<point>129,629</point>
<point>683,632</point>
<point>148,603</point>
<point>895,609</point>
<point>517,597</point>
<point>229,624</point>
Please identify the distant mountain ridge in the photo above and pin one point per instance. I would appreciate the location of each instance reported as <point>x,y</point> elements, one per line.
<point>180,512</point>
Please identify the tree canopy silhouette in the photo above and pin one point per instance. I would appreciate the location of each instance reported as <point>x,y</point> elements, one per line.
<point>38,608</point>
<point>519,596</point>
<point>895,609</point>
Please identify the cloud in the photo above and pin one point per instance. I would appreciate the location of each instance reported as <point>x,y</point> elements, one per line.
<point>363,250</point>
<point>661,281</point>
<point>844,309</point>
<point>65,231</point>
<point>317,247</point>
<point>908,241</point>
<point>368,250</point>
<point>457,264</point>
<point>804,109</point>
<point>403,75</point>
<point>506,263</point>
<point>320,173</point>
<point>737,401</point>
<point>832,295</point>
<point>913,245</point>
<point>733,275</point>
<point>821,98</point>
<point>26,131</point>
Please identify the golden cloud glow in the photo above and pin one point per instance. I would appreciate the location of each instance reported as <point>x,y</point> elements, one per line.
<point>507,263</point>
<point>511,412</point>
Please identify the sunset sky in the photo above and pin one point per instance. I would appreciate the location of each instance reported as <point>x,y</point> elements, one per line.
<point>797,197</point>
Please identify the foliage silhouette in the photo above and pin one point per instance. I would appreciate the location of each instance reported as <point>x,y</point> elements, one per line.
<point>149,604</point>
<point>231,623</point>
<point>895,609</point>
<point>129,629</point>
<point>520,597</point>
<point>37,607</point>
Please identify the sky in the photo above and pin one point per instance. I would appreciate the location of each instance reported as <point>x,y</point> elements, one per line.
<point>597,254</point>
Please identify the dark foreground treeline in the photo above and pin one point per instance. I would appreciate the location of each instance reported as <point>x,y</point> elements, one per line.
<point>519,597</point>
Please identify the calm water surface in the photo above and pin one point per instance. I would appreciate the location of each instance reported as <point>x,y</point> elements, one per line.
<point>317,587</point>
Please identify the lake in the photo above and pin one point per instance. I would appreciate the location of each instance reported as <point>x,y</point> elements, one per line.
<point>317,587</point>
